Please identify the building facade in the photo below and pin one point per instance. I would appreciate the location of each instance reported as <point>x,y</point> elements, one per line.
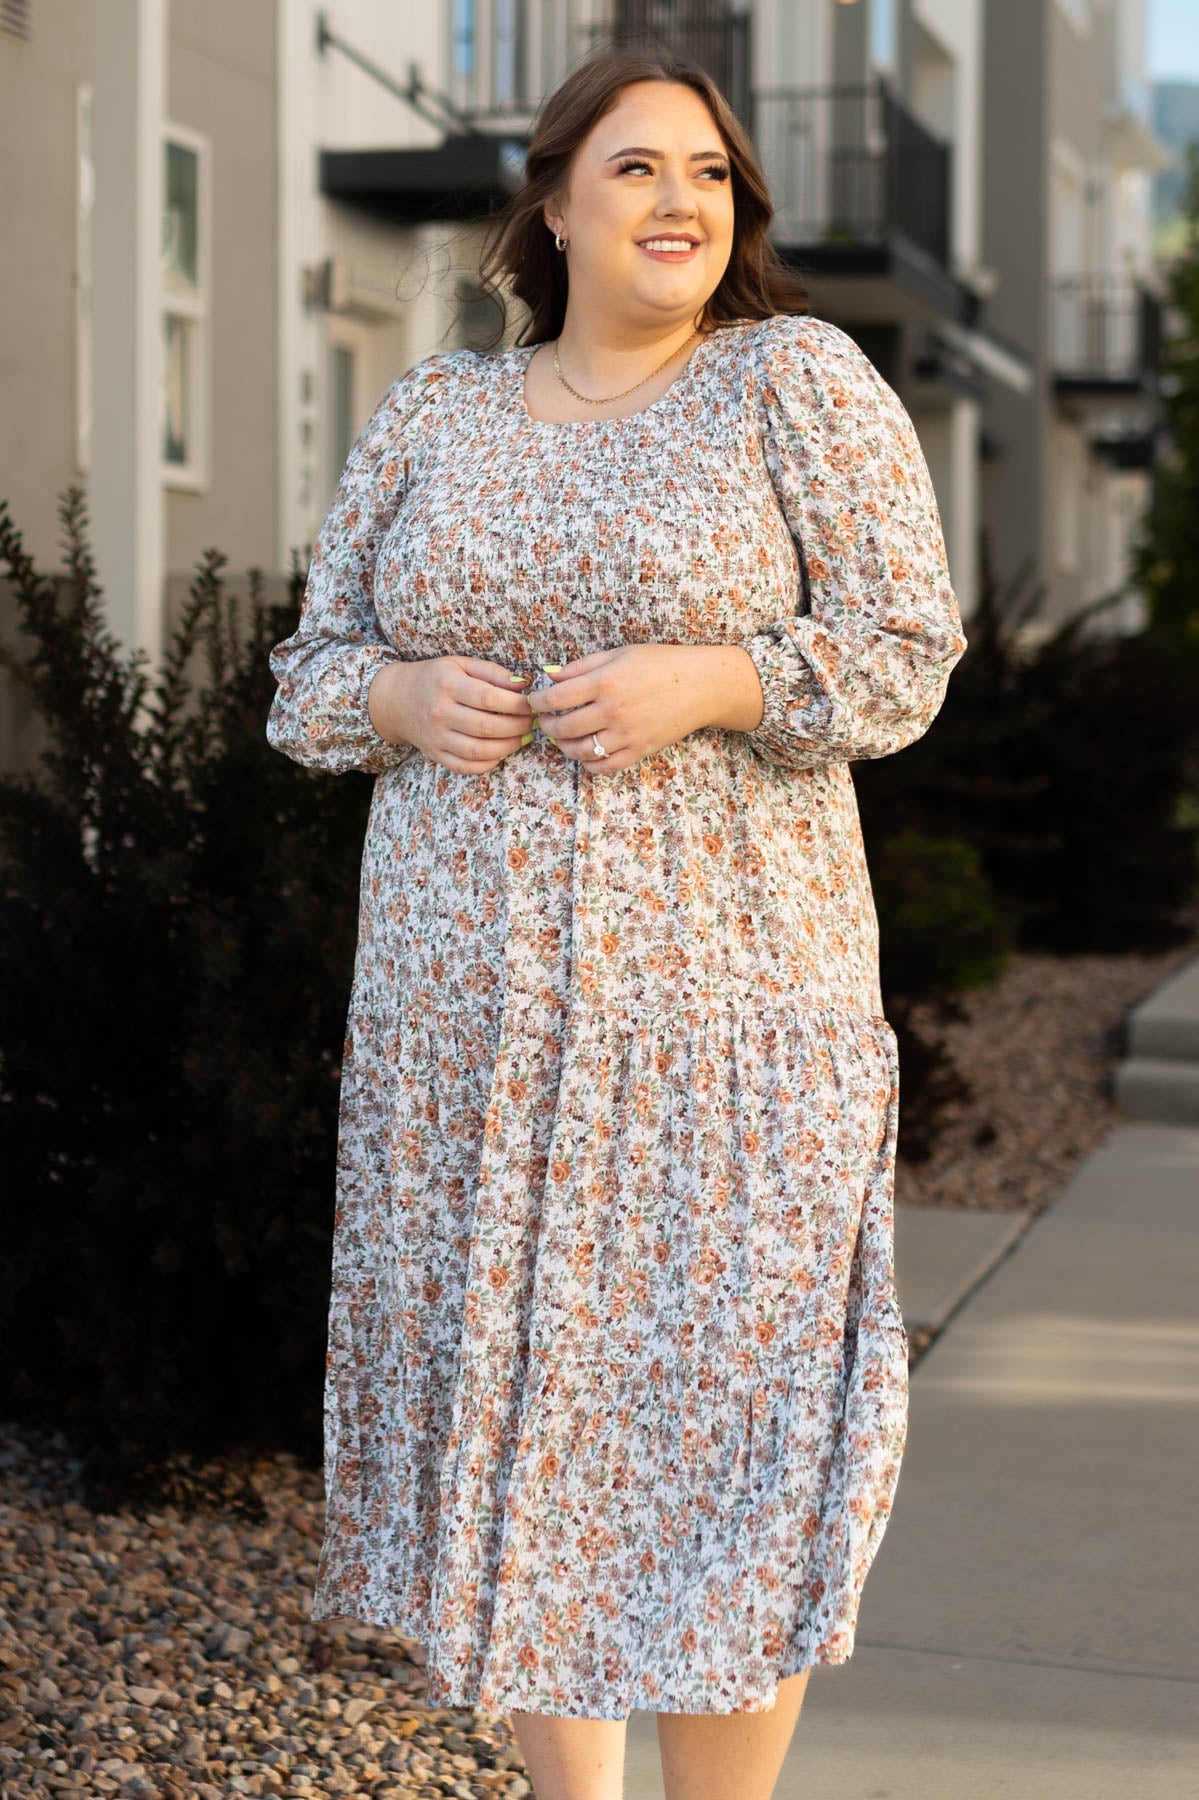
<point>1069,158</point>
<point>238,225</point>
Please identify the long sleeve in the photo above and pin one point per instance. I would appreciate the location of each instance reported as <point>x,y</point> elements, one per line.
<point>864,671</point>
<point>319,714</point>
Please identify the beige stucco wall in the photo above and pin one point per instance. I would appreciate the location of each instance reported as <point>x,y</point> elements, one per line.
<point>38,79</point>
<point>221,81</point>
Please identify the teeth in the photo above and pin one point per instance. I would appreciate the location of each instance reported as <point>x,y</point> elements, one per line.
<point>665,244</point>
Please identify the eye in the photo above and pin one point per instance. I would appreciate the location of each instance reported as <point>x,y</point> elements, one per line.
<point>719,171</point>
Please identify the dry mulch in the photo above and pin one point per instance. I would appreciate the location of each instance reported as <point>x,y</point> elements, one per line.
<point>1040,1047</point>
<point>171,1654</point>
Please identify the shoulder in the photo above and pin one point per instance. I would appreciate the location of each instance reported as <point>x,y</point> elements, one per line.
<point>810,363</point>
<point>437,380</point>
<point>802,346</point>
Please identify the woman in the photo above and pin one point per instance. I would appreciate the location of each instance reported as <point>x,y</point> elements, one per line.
<point>617,1376</point>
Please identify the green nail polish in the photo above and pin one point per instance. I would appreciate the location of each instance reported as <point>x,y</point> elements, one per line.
<point>527,738</point>
<point>516,678</point>
<point>551,668</point>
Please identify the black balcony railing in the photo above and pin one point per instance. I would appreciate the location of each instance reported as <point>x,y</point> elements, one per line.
<point>708,31</point>
<point>852,165</point>
<point>1106,331</point>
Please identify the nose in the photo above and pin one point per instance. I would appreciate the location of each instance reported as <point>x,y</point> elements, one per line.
<point>677,197</point>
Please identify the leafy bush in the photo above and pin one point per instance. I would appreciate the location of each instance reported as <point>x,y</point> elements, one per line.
<point>178,911</point>
<point>941,935</point>
<point>1165,556</point>
<point>1069,767</point>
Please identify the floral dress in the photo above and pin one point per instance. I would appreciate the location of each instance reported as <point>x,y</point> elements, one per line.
<point>616,1388</point>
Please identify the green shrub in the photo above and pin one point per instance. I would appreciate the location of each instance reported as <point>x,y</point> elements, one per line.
<point>941,934</point>
<point>1165,555</point>
<point>177,924</point>
<point>1068,766</point>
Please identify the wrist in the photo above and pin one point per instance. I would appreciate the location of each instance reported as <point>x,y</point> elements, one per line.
<point>735,701</point>
<point>384,702</point>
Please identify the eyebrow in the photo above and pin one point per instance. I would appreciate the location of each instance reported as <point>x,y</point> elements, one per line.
<point>640,150</point>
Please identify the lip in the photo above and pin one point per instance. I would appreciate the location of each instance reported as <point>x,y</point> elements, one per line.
<point>673,256</point>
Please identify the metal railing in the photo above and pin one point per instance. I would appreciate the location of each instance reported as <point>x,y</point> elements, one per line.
<point>1106,328</point>
<point>851,165</point>
<point>708,31</point>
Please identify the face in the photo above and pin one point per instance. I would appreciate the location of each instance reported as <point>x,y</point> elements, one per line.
<point>653,168</point>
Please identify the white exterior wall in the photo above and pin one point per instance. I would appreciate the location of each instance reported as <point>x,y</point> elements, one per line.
<point>397,282</point>
<point>957,26</point>
<point>125,371</point>
<point>950,438</point>
<point>792,43</point>
<point>328,102</point>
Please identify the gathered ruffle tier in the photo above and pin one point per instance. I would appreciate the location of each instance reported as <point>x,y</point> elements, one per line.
<point>680,1381</point>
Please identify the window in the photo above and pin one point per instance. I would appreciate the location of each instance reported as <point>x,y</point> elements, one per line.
<point>14,17</point>
<point>1079,14</point>
<point>882,34</point>
<point>1069,480</point>
<point>343,412</point>
<point>476,314</point>
<point>1067,210</point>
<point>464,26</point>
<point>85,200</point>
<point>185,283</point>
<point>510,40</point>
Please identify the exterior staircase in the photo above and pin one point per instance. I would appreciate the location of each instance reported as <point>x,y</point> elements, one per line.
<point>1158,1080</point>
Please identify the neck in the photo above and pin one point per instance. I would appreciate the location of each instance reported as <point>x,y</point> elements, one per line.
<point>602,357</point>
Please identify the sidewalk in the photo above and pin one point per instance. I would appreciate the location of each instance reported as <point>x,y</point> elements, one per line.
<point>1028,1628</point>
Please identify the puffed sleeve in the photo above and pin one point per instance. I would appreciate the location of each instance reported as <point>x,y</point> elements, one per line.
<point>319,714</point>
<point>861,670</point>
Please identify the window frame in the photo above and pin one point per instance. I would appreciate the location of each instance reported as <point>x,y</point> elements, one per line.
<point>1077,14</point>
<point>85,202</point>
<point>356,340</point>
<point>194,310</point>
<point>885,63</point>
<point>463,41</point>
<point>517,39</point>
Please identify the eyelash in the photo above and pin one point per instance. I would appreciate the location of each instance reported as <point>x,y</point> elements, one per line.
<point>717,169</point>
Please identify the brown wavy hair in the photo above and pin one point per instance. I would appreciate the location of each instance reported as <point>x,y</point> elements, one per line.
<point>519,248</point>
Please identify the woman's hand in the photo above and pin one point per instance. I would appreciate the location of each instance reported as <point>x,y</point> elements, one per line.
<point>639,698</point>
<point>463,712</point>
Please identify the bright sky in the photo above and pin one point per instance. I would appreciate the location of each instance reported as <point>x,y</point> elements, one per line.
<point>1173,40</point>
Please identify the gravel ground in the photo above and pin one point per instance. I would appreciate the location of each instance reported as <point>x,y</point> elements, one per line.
<point>1040,1047</point>
<point>171,1653</point>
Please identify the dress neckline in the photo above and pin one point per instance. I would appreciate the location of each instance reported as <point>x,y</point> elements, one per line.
<point>521,356</point>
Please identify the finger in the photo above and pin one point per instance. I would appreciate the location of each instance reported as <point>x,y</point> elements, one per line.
<point>490,671</point>
<point>460,766</point>
<point>492,727</point>
<point>578,723</point>
<point>490,699</point>
<point>501,677</point>
<point>582,749</point>
<point>580,666</point>
<point>482,734</point>
<point>578,691</point>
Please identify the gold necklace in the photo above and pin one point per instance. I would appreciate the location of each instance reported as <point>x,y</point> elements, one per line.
<point>630,390</point>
